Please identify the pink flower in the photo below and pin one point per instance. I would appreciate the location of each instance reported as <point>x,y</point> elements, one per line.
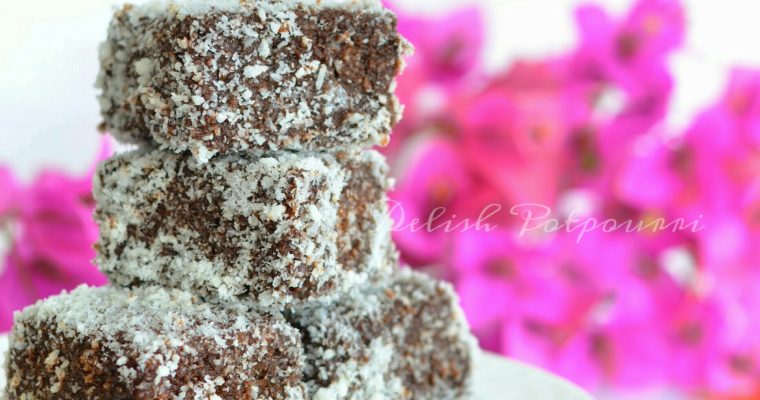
<point>742,101</point>
<point>630,54</point>
<point>750,207</point>
<point>427,196</point>
<point>552,331</point>
<point>629,50</point>
<point>514,144</point>
<point>52,249</point>
<point>592,318</point>
<point>529,302</point>
<point>495,276</point>
<point>621,309</point>
<point>56,220</point>
<point>650,178</point>
<point>735,364</point>
<point>693,332</point>
<point>706,175</point>
<point>446,56</point>
<point>721,170</point>
<point>15,291</point>
<point>449,47</point>
<point>426,107</point>
<point>9,192</point>
<point>645,297</point>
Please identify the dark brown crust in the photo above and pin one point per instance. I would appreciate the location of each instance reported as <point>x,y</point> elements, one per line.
<point>405,330</point>
<point>416,318</point>
<point>92,372</point>
<point>362,194</point>
<point>220,240</point>
<point>365,46</point>
<point>450,365</point>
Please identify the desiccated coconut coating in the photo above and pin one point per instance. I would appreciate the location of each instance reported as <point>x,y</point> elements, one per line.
<point>403,338</point>
<point>231,75</point>
<point>281,228</point>
<point>150,343</point>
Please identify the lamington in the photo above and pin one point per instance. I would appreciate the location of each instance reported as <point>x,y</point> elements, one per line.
<point>403,337</point>
<point>281,228</point>
<point>216,77</point>
<point>150,343</point>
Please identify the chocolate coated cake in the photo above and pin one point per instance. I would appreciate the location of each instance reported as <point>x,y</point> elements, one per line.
<point>228,76</point>
<point>280,228</point>
<point>150,343</point>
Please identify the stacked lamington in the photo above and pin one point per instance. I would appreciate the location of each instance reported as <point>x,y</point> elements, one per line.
<point>247,239</point>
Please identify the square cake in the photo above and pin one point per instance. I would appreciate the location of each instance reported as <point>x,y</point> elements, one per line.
<point>279,228</point>
<point>232,75</point>
<point>402,337</point>
<point>150,343</point>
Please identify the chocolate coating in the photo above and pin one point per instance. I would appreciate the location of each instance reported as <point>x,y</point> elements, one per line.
<point>150,343</point>
<point>266,75</point>
<point>402,337</point>
<point>278,228</point>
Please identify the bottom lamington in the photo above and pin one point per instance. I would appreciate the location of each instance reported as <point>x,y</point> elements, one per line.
<point>402,338</point>
<point>150,343</point>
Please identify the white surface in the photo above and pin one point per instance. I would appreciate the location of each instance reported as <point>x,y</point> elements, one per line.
<point>48,63</point>
<point>495,379</point>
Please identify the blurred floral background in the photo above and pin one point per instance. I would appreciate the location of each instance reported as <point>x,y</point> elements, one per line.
<point>580,138</point>
<point>585,233</point>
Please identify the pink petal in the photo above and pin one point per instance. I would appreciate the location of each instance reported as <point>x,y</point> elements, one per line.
<point>9,191</point>
<point>648,181</point>
<point>484,300</point>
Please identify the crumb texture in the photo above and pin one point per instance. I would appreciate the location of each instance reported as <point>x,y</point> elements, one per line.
<point>222,77</point>
<point>194,7</point>
<point>150,343</point>
<point>278,228</point>
<point>403,337</point>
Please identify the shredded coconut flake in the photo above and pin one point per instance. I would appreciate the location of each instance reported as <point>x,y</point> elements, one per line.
<point>254,71</point>
<point>232,70</point>
<point>152,333</point>
<point>242,226</point>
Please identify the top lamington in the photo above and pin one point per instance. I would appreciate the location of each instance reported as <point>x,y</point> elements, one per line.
<point>195,7</point>
<point>230,76</point>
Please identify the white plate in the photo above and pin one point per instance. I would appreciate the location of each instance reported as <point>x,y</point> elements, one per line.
<point>496,378</point>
